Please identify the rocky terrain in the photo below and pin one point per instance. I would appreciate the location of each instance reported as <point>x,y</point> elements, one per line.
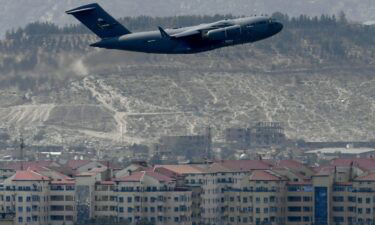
<point>321,90</point>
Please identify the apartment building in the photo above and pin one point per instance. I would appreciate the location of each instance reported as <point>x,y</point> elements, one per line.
<point>226,192</point>
<point>145,196</point>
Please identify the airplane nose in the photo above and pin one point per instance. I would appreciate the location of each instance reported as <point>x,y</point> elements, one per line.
<point>278,26</point>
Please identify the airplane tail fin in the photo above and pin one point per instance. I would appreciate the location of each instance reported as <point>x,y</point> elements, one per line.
<point>98,21</point>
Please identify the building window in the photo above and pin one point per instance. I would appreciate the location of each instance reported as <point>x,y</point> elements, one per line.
<point>339,188</point>
<point>20,199</point>
<point>69,208</point>
<point>338,209</point>
<point>57,197</point>
<point>338,198</point>
<point>294,218</point>
<point>69,218</point>
<point>69,198</point>
<point>57,208</point>
<point>294,198</point>
<point>57,218</point>
<point>20,219</point>
<point>351,199</point>
<point>306,209</point>
<point>70,188</point>
<point>338,219</point>
<point>294,209</point>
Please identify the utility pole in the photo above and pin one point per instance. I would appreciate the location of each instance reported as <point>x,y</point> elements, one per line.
<point>22,146</point>
<point>208,143</point>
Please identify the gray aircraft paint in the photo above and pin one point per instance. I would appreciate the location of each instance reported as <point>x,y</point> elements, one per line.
<point>187,40</point>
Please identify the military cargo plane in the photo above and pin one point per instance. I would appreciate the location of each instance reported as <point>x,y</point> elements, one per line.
<point>186,40</point>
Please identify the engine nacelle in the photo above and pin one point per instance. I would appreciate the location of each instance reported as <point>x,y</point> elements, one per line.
<point>231,33</point>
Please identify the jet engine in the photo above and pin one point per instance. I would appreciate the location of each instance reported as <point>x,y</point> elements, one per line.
<point>231,33</point>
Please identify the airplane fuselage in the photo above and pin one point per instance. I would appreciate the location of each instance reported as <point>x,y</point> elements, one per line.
<point>211,36</point>
<point>185,40</point>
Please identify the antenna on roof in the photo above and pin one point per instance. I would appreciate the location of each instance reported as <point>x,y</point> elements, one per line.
<point>208,142</point>
<point>22,146</point>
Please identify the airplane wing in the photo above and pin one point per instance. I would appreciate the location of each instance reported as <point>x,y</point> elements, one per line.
<point>194,31</point>
<point>186,33</point>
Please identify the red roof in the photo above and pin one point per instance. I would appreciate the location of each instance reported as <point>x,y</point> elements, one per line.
<point>28,175</point>
<point>183,169</point>
<point>368,177</point>
<point>291,164</point>
<point>367,164</point>
<point>324,170</point>
<point>138,176</point>
<point>245,165</point>
<point>165,171</point>
<point>264,175</point>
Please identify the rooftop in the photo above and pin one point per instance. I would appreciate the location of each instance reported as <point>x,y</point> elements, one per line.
<point>352,151</point>
<point>245,165</point>
<point>264,175</point>
<point>367,164</point>
<point>183,169</point>
<point>368,177</point>
<point>139,176</point>
<point>28,175</point>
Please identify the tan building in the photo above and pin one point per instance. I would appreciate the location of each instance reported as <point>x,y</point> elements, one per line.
<point>251,192</point>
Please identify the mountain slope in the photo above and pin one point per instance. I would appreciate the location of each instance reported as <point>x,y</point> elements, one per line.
<point>316,77</point>
<point>53,11</point>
